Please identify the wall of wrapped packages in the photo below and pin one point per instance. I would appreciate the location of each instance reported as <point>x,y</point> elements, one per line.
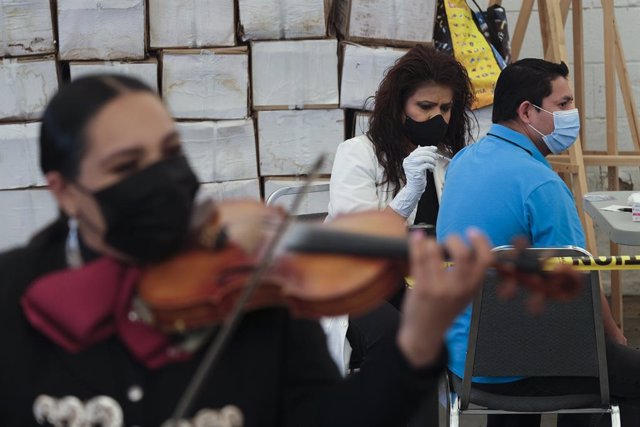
<point>259,88</point>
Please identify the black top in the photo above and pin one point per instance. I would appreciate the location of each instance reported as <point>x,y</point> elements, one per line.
<point>428,205</point>
<point>276,370</point>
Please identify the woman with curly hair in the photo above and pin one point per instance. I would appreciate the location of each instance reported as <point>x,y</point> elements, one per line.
<point>421,118</point>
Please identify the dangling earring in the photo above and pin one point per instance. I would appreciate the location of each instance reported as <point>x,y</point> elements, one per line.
<point>72,247</point>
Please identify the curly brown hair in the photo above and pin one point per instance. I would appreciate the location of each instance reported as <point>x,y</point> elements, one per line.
<point>422,65</point>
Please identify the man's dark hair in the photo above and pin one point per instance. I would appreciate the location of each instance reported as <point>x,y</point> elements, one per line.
<point>525,80</point>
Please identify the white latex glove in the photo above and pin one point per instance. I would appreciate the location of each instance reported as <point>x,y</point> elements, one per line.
<point>415,167</point>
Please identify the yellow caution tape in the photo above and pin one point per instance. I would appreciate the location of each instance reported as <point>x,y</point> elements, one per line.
<point>584,263</point>
<point>600,263</point>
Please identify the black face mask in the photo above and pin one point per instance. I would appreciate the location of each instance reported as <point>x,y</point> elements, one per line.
<point>147,214</point>
<point>430,132</point>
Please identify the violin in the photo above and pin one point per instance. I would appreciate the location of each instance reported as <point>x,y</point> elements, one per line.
<point>346,266</point>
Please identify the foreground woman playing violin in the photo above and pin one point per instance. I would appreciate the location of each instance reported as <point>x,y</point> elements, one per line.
<point>74,350</point>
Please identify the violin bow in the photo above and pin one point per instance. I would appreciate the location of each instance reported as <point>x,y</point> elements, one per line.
<point>217,346</point>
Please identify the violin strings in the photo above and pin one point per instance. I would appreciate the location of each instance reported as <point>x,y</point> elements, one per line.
<point>215,349</point>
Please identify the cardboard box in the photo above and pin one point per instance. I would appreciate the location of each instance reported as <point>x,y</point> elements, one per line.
<point>220,151</point>
<point>26,28</point>
<point>244,189</point>
<point>283,19</point>
<point>95,29</point>
<point>206,84</point>
<point>26,86</point>
<point>146,71</point>
<point>363,68</point>
<point>316,202</point>
<point>393,22</point>
<point>361,123</point>
<point>294,74</point>
<point>19,156</point>
<point>290,141</point>
<point>23,213</point>
<point>191,23</point>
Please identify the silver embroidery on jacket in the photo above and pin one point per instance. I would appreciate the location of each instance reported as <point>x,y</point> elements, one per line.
<point>104,411</point>
<point>228,416</point>
<point>70,411</point>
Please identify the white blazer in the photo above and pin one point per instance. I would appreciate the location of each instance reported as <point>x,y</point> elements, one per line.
<point>356,186</point>
<point>357,176</point>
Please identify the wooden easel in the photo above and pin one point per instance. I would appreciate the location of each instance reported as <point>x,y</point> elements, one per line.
<point>553,15</point>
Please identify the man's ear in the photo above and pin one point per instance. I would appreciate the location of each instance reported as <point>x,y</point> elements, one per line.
<point>63,192</point>
<point>524,111</point>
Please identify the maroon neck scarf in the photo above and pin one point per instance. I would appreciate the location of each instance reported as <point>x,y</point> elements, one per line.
<point>77,308</point>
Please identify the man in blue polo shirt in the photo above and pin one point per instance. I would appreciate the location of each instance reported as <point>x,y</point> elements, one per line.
<point>504,186</point>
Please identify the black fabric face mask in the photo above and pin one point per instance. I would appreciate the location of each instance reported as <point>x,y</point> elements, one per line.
<point>429,132</point>
<point>147,214</point>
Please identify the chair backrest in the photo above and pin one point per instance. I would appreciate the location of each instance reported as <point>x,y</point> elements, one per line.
<point>294,190</point>
<point>566,339</point>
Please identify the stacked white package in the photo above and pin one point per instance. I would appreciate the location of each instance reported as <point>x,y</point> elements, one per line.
<point>314,202</point>
<point>94,29</point>
<point>362,71</point>
<point>26,85</point>
<point>22,213</point>
<point>19,161</point>
<point>282,19</point>
<point>294,74</point>
<point>395,22</point>
<point>222,150</point>
<point>361,123</point>
<point>26,28</point>
<point>191,23</point>
<point>206,84</point>
<point>146,71</point>
<point>290,141</point>
<point>243,189</point>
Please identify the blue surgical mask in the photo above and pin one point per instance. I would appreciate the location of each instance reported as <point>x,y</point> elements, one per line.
<point>566,127</point>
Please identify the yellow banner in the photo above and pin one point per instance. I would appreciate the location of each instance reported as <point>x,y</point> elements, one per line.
<point>472,50</point>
